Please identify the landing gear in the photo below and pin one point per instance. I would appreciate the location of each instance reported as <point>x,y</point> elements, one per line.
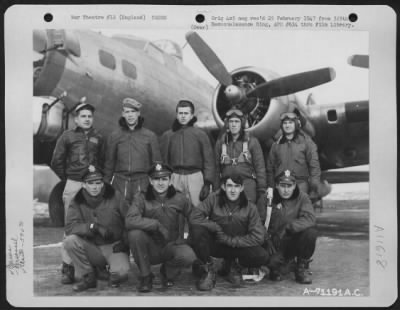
<point>56,205</point>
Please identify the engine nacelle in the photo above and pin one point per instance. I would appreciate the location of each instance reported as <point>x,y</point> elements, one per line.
<point>263,113</point>
<point>47,119</point>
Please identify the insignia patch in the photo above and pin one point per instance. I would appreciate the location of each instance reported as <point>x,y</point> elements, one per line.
<point>158,167</point>
<point>91,168</point>
<point>94,140</point>
<point>287,173</point>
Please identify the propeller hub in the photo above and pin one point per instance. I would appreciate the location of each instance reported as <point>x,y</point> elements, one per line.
<point>233,93</point>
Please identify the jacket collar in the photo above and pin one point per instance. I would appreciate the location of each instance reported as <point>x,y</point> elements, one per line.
<point>176,125</point>
<point>278,199</point>
<point>122,123</point>
<point>108,193</point>
<point>283,138</point>
<point>79,129</point>
<point>222,199</point>
<point>151,195</point>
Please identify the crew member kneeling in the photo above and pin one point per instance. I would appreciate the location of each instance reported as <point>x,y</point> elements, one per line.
<point>94,229</point>
<point>227,225</point>
<point>155,222</point>
<point>292,228</point>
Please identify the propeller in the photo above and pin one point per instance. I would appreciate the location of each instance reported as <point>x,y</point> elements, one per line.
<point>209,59</point>
<point>361,61</point>
<point>274,88</point>
<point>293,83</point>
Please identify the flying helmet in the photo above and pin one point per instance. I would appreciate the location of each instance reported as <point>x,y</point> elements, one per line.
<point>235,112</point>
<point>290,116</point>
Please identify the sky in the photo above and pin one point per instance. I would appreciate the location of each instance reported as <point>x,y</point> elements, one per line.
<point>284,52</point>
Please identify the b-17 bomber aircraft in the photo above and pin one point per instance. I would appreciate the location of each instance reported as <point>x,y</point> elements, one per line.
<point>79,64</point>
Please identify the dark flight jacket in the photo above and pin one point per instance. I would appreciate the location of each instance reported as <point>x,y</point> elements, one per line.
<point>109,213</point>
<point>130,151</point>
<point>296,212</point>
<point>299,156</point>
<point>241,223</point>
<point>253,168</point>
<point>188,148</point>
<point>75,151</point>
<point>148,210</point>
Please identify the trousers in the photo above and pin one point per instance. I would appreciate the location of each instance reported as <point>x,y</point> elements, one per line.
<point>189,184</point>
<point>85,255</point>
<point>147,252</point>
<point>204,245</point>
<point>129,186</point>
<point>300,245</point>
<point>70,190</point>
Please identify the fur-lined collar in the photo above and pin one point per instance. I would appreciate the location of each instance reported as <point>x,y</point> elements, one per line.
<point>222,199</point>
<point>109,193</point>
<point>297,133</point>
<point>122,123</point>
<point>150,195</point>
<point>176,125</point>
<point>277,198</point>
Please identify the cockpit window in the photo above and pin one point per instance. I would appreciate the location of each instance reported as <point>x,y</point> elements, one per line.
<point>129,69</point>
<point>107,59</point>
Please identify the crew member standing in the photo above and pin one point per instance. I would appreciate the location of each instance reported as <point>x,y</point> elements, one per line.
<point>130,152</point>
<point>75,150</point>
<point>237,151</point>
<point>295,151</point>
<point>292,227</point>
<point>188,151</point>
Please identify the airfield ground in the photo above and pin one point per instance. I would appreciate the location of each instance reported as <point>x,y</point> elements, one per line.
<point>341,262</point>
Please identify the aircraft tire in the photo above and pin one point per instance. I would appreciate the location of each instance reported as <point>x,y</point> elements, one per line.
<point>56,205</point>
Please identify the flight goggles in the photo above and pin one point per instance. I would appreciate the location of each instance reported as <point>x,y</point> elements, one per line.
<point>289,115</point>
<point>234,112</point>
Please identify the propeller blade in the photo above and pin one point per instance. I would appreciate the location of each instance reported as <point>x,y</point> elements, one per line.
<point>361,61</point>
<point>209,59</point>
<point>39,40</point>
<point>293,83</point>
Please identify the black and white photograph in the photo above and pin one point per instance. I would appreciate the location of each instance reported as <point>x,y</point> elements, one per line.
<point>232,155</point>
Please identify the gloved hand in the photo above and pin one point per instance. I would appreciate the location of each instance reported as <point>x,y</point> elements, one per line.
<point>276,261</point>
<point>94,228</point>
<point>120,247</point>
<point>106,233</point>
<point>276,241</point>
<point>324,188</point>
<point>205,190</point>
<point>163,231</point>
<point>269,246</point>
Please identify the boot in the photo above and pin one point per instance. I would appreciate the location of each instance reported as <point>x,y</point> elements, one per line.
<point>114,280</point>
<point>164,280</point>
<point>102,274</point>
<point>301,274</point>
<point>67,276</point>
<point>225,268</point>
<point>208,278</point>
<point>235,274</point>
<point>146,283</point>
<point>88,281</point>
<point>275,275</point>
